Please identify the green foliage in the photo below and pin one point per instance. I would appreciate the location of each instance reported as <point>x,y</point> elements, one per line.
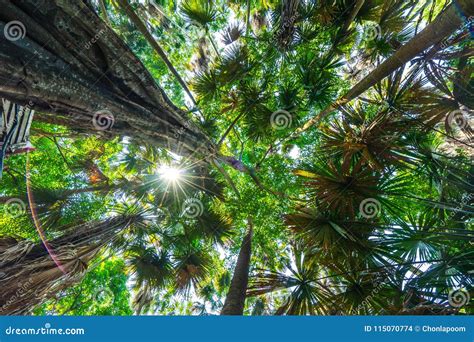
<point>103,291</point>
<point>199,11</point>
<point>316,248</point>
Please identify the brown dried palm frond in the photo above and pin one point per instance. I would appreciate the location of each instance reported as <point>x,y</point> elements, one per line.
<point>143,299</point>
<point>378,139</point>
<point>201,60</point>
<point>192,266</point>
<point>45,277</point>
<point>258,21</point>
<point>341,188</point>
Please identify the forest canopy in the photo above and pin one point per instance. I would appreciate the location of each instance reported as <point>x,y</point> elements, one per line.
<point>241,157</point>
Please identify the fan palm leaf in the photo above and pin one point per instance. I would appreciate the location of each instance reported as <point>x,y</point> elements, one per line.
<point>201,12</point>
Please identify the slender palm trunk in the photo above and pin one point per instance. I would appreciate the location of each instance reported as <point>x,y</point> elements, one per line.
<point>344,29</point>
<point>247,18</point>
<point>235,300</point>
<point>104,11</point>
<point>30,274</point>
<point>158,49</point>
<point>443,26</point>
<point>72,65</point>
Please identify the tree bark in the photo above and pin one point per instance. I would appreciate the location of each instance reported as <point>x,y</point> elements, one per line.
<point>71,64</point>
<point>235,300</point>
<point>443,26</point>
<point>72,68</point>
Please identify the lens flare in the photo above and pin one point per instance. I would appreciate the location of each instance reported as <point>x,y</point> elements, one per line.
<point>169,173</point>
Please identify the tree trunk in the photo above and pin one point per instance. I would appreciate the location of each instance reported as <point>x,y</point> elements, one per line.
<point>151,40</point>
<point>75,71</point>
<point>70,64</point>
<point>104,11</point>
<point>235,300</point>
<point>345,28</point>
<point>443,26</point>
<point>30,274</point>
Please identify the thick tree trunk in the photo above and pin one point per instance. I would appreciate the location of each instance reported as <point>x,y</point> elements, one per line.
<point>75,71</point>
<point>71,64</point>
<point>30,274</point>
<point>235,300</point>
<point>443,26</point>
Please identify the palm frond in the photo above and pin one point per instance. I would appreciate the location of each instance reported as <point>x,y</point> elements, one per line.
<point>192,267</point>
<point>200,12</point>
<point>206,85</point>
<point>151,267</point>
<point>232,33</point>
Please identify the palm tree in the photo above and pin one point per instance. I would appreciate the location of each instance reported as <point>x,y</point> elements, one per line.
<point>188,262</point>
<point>374,218</point>
<point>443,26</point>
<point>159,50</point>
<point>32,274</point>
<point>328,274</point>
<point>201,13</point>
<point>235,300</point>
<point>299,282</point>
